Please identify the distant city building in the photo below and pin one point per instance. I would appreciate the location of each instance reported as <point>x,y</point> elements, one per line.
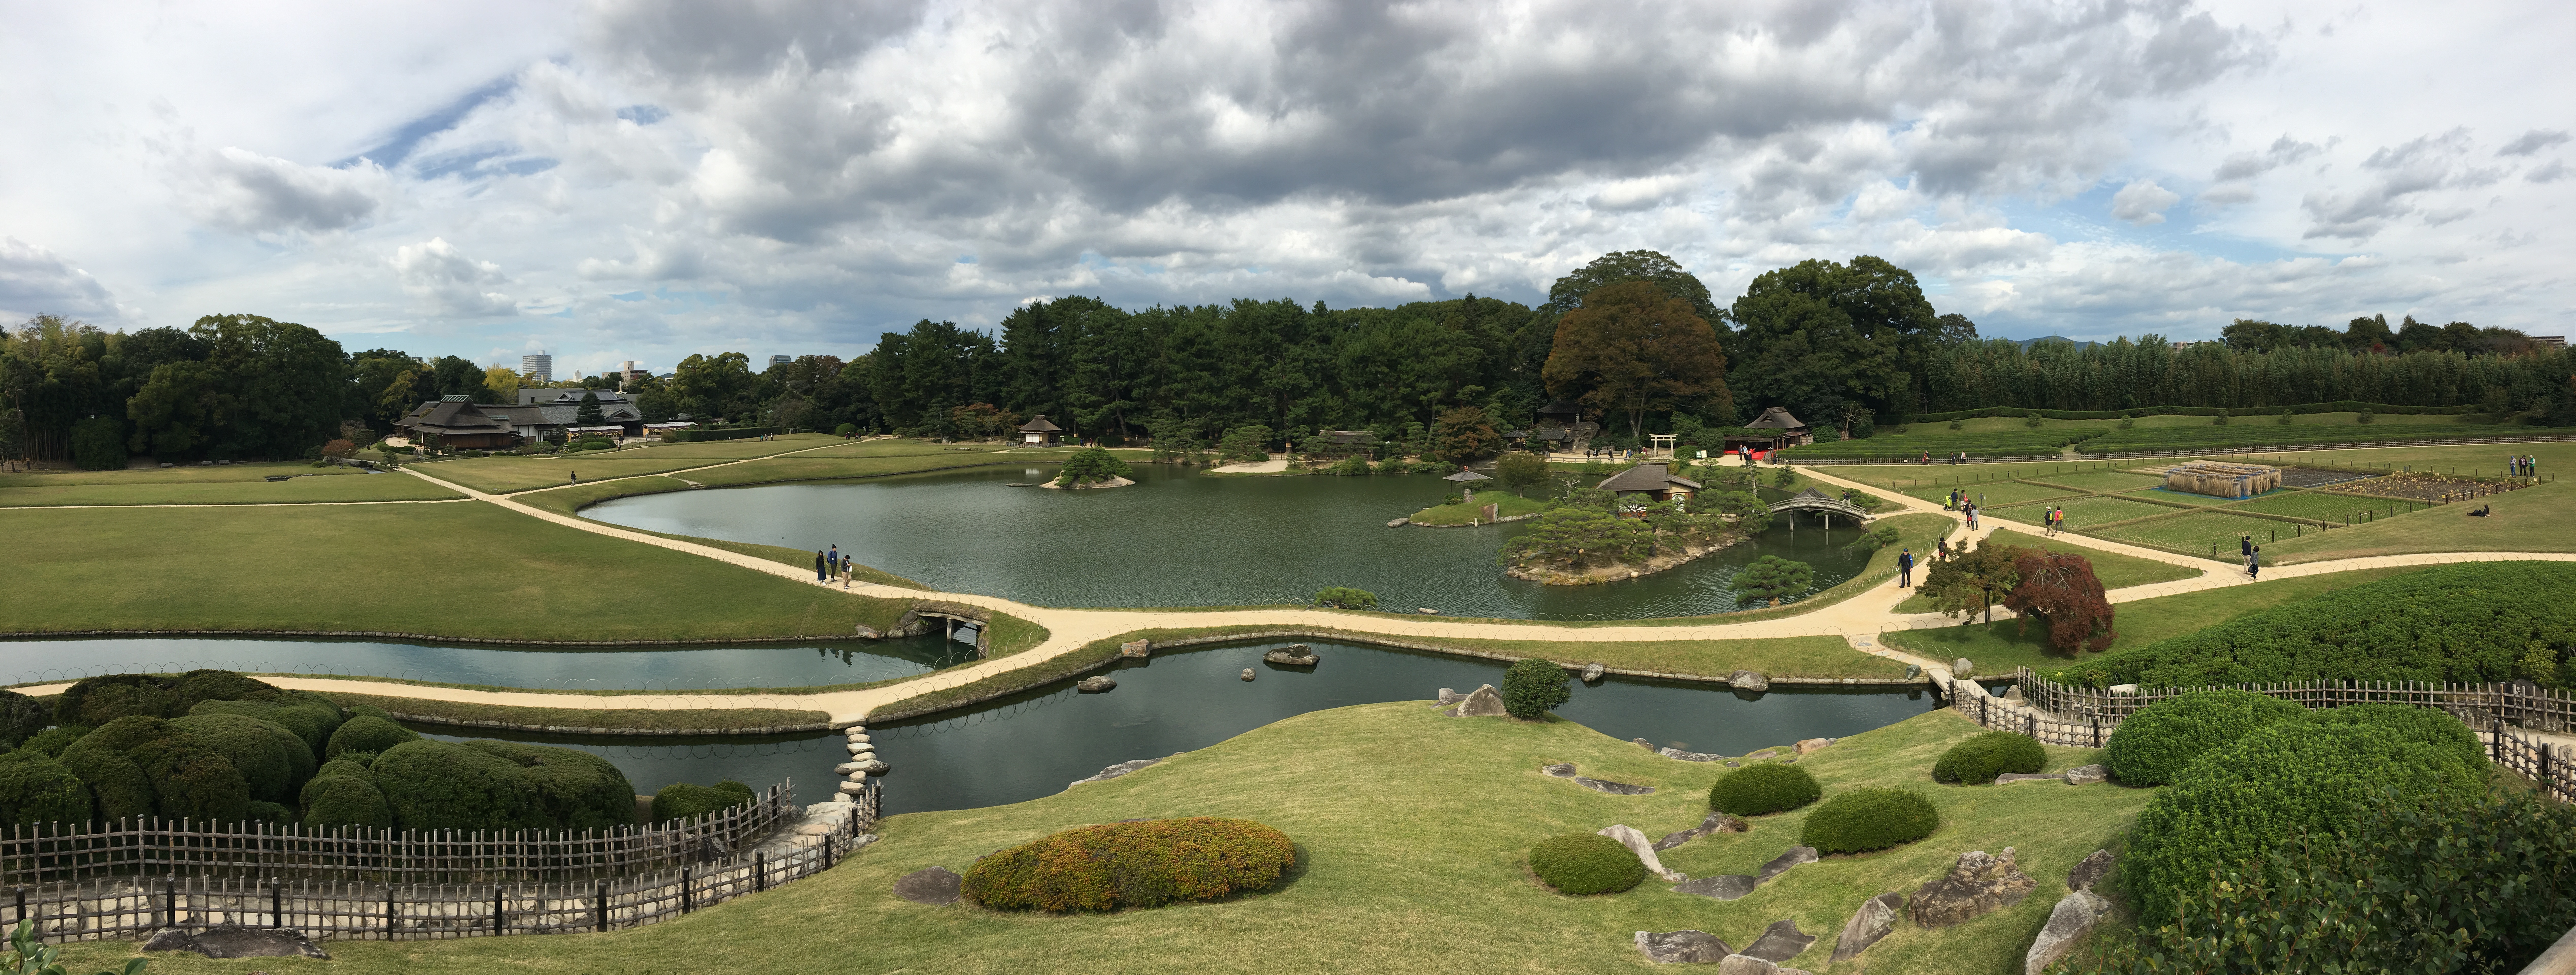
<point>630,373</point>
<point>2550,341</point>
<point>780,360</point>
<point>537,368</point>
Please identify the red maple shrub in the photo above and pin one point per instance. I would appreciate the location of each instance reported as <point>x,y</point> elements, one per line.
<point>2058,589</point>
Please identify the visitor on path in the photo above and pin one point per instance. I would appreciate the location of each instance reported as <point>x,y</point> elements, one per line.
<point>576,476</point>
<point>2245,545</point>
<point>1941,549</point>
<point>2254,562</point>
<point>833,557</point>
<point>848,569</point>
<point>818,565</point>
<point>1905,569</point>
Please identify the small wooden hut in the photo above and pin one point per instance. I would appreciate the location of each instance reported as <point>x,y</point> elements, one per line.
<point>1039,433</point>
<point>2222,480</point>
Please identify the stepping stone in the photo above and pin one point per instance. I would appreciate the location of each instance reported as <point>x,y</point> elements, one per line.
<point>1779,942</point>
<point>1781,864</point>
<point>1680,947</point>
<point>936,886</point>
<point>1615,788</point>
<point>1725,887</point>
<point>1562,770</point>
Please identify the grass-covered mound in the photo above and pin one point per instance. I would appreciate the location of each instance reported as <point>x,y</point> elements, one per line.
<point>1760,790</point>
<point>686,800</point>
<point>1144,864</point>
<point>2472,623</point>
<point>1586,863</point>
<point>2161,739</point>
<point>1978,760</point>
<point>1862,820</point>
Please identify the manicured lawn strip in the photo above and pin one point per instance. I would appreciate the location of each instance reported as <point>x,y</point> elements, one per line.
<point>2192,533</point>
<point>1508,504</point>
<point>2083,511</point>
<point>2533,519</point>
<point>2105,481</point>
<point>1997,493</point>
<point>698,720</point>
<point>1370,793</point>
<point>2475,460</point>
<point>321,488</point>
<point>2045,440</point>
<point>570,500</point>
<point>183,474</point>
<point>2160,494</point>
<point>440,570</point>
<point>1934,481</point>
<point>801,468</point>
<point>1997,648</point>
<point>2116,571</point>
<point>504,474</point>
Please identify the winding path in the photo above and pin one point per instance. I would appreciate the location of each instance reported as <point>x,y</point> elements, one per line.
<point>1858,619</point>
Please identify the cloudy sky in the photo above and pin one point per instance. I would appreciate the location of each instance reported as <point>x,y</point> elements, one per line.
<point>644,179</point>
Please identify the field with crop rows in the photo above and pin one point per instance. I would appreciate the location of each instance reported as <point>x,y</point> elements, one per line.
<point>1994,493</point>
<point>2084,512</point>
<point>2105,481</point>
<point>2192,533</point>
<point>2320,505</point>
<point>2243,434</point>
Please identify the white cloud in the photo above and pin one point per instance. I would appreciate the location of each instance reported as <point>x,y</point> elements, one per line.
<point>240,190</point>
<point>35,281</point>
<point>2142,202</point>
<point>2533,141</point>
<point>449,283</point>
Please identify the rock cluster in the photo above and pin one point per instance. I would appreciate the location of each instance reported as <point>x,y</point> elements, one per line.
<point>1727,887</point>
<point>1095,684</point>
<point>1977,885</point>
<point>1645,851</point>
<point>1689,756</point>
<point>236,941</point>
<point>1292,655</point>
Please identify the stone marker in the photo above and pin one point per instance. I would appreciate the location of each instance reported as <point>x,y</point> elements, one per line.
<point>1781,864</point>
<point>1484,703</point>
<point>1095,684</point>
<point>1779,942</point>
<point>1876,917</point>
<point>1685,946</point>
<point>1813,745</point>
<point>1979,884</point>
<point>236,941</point>
<point>1725,887</point>
<point>2096,866</point>
<point>1962,668</point>
<point>2075,914</point>
<point>1746,680</point>
<point>1247,673</point>
<point>1136,648</point>
<point>936,886</point>
<point>2087,775</point>
<point>1636,843</point>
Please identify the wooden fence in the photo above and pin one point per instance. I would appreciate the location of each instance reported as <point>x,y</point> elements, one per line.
<point>155,848</point>
<point>2487,709</point>
<point>135,906</point>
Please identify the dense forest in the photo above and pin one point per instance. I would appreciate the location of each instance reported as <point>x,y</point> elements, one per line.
<point>1634,337</point>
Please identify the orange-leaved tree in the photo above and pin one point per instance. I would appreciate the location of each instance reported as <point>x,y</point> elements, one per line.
<point>1633,348</point>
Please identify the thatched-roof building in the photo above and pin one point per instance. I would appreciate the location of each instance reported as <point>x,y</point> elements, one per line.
<point>1038,432</point>
<point>2222,480</point>
<point>1651,480</point>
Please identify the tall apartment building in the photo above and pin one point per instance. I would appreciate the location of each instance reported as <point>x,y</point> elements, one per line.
<point>780,360</point>
<point>537,368</point>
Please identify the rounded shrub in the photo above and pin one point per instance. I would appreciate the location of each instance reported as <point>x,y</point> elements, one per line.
<point>574,789</point>
<point>52,741</point>
<point>272,761</point>
<point>1586,863</point>
<point>334,801</point>
<point>95,701</point>
<point>310,716</point>
<point>21,717</point>
<point>338,768</point>
<point>270,812</point>
<point>2426,725</point>
<point>1862,820</point>
<point>685,800</point>
<point>191,781</point>
<point>1531,686</point>
<point>367,734</point>
<point>195,686</point>
<point>445,785</point>
<point>1978,760</point>
<point>2154,745</point>
<point>104,760</point>
<point>1147,864</point>
<point>36,790</point>
<point>2265,789</point>
<point>1759,790</point>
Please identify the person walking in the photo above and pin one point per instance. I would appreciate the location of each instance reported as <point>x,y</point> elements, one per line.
<point>576,476</point>
<point>833,557</point>
<point>2245,545</point>
<point>818,565</point>
<point>1905,569</point>
<point>848,569</point>
<point>2254,562</point>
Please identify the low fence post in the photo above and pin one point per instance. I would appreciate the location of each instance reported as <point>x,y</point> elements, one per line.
<point>496,910</point>
<point>759,871</point>
<point>2097,732</point>
<point>276,904</point>
<point>2499,741</point>
<point>22,904</point>
<point>389,912</point>
<point>603,905</point>
<point>170,900</point>
<point>684,889</point>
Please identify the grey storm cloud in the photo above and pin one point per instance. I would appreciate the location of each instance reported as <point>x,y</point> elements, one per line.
<point>36,281</point>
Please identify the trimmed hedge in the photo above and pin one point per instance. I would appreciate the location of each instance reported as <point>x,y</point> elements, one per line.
<point>332,801</point>
<point>21,717</point>
<point>367,733</point>
<point>51,741</point>
<point>574,789</point>
<point>1586,863</point>
<point>96,701</point>
<point>2153,746</point>
<point>720,433</point>
<point>310,716</point>
<point>273,762</point>
<point>1147,864</point>
<point>1758,790</point>
<point>2270,786</point>
<point>36,790</point>
<point>685,800</point>
<point>500,785</point>
<point>2429,726</point>
<point>1531,686</point>
<point>1862,820</point>
<point>1978,760</point>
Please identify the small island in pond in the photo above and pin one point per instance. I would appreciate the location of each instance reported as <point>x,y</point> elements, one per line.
<point>1092,468</point>
<point>1639,521</point>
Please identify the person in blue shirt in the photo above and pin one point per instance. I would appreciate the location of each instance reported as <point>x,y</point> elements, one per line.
<point>1905,569</point>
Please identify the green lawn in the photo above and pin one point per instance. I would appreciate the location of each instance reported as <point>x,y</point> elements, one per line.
<point>2116,571</point>
<point>2323,430</point>
<point>1509,504</point>
<point>2103,480</point>
<point>1996,493</point>
<point>227,484</point>
<point>2316,505</point>
<point>1931,482</point>
<point>1998,647</point>
<point>2487,460</point>
<point>2534,519</point>
<point>2181,497</point>
<point>505,474</point>
<point>2192,533</point>
<point>1413,831</point>
<point>2084,511</point>
<point>460,570</point>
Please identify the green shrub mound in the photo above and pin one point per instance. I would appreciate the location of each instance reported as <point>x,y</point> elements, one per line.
<point>1978,760</point>
<point>333,801</point>
<point>143,766</point>
<point>310,716</point>
<point>95,701</point>
<point>2471,623</point>
<point>52,741</point>
<point>2267,788</point>
<point>272,760</point>
<point>1862,820</point>
<point>271,813</point>
<point>1147,864</point>
<point>2426,725</point>
<point>2154,745</point>
<point>37,790</point>
<point>500,785</point>
<point>367,733</point>
<point>22,717</point>
<point>1759,790</point>
<point>1586,863</point>
<point>1531,686</point>
<point>686,800</point>
<point>369,710</point>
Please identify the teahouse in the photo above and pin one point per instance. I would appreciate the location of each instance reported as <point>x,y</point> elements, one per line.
<point>1791,431</point>
<point>1038,432</point>
<point>1651,480</point>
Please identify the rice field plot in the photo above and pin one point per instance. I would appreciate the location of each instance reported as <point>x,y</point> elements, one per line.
<point>1992,493</point>
<point>2322,506</point>
<point>2195,500</point>
<point>2308,477</point>
<point>2104,481</point>
<point>2082,512</point>
<point>2427,486</point>
<point>2193,533</point>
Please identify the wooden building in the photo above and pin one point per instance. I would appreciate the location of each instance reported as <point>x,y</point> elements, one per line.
<point>1783,429</point>
<point>459,425</point>
<point>1651,480</point>
<point>1039,433</point>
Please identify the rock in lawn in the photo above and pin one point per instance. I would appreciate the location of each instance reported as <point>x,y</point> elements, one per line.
<point>1749,965</point>
<point>2030,777</point>
<point>1725,887</point>
<point>1746,680</point>
<point>1562,770</point>
<point>929,885</point>
<point>236,941</point>
<point>1677,753</point>
<point>1484,703</point>
<point>1645,851</point>
<point>1977,885</point>
<point>2095,867</point>
<point>1781,864</point>
<point>2075,914</point>
<point>2087,775</point>
<point>1448,696</point>
<point>1779,942</point>
<point>1876,917</point>
<point>1717,822</point>
<point>1680,947</point>
<point>1814,745</point>
<point>1962,669</point>
<point>1095,684</point>
<point>1615,788</point>
<point>1114,771</point>
<point>1642,743</point>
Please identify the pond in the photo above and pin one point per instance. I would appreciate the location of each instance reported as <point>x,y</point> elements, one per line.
<point>1032,744</point>
<point>803,664</point>
<point>1185,538</point>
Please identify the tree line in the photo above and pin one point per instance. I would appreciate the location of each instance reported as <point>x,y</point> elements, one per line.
<point>1633,337</point>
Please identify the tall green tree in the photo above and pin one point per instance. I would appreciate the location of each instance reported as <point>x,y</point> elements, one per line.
<point>715,386</point>
<point>1818,334</point>
<point>1634,348</point>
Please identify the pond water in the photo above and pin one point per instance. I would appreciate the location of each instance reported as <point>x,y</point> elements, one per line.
<point>804,664</point>
<point>1031,744</point>
<point>1183,538</point>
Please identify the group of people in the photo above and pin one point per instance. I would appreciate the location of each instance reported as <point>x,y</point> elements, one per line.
<point>2524,465</point>
<point>2253,557</point>
<point>831,564</point>
<point>1959,502</point>
<point>2053,518</point>
<point>1953,460</point>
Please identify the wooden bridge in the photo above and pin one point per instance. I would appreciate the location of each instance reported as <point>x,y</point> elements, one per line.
<point>1810,500</point>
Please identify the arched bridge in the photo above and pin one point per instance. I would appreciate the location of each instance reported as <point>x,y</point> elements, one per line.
<point>1810,500</point>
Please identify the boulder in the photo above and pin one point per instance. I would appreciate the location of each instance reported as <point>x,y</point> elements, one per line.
<point>1399,523</point>
<point>1813,745</point>
<point>1913,671</point>
<point>1962,668</point>
<point>1749,965</point>
<point>2074,915</point>
<point>1642,743</point>
<point>847,768</point>
<point>1293,655</point>
<point>1448,696</point>
<point>1876,917</point>
<point>1689,756</point>
<point>1977,885</point>
<point>1114,771</point>
<point>236,941</point>
<point>1781,864</point>
<point>2095,866</point>
<point>1095,684</point>
<point>1725,887</point>
<point>1681,947</point>
<point>866,632</point>
<point>2087,775</point>
<point>2124,688</point>
<point>1484,703</point>
<point>1717,822</point>
<point>930,885</point>
<point>1136,648</point>
<point>1645,851</point>
<point>1247,673</point>
<point>1593,671</point>
<point>1779,942</point>
<point>1562,770</point>
<point>873,765</point>
<point>1746,680</point>
<point>1615,788</point>
<point>2013,694</point>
